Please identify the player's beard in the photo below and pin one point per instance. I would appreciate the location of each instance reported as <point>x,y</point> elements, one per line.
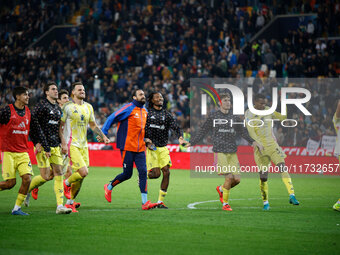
<point>142,102</point>
<point>81,97</point>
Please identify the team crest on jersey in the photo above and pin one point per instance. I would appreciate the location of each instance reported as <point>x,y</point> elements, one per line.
<point>136,115</point>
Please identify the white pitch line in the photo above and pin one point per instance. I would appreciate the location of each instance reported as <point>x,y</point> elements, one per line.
<point>193,205</point>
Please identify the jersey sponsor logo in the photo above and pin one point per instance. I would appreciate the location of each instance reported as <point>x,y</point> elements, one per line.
<point>53,122</point>
<point>222,130</point>
<point>20,132</point>
<point>157,126</point>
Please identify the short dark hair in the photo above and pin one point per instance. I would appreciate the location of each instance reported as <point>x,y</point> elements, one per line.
<point>17,91</point>
<point>150,97</point>
<point>62,92</point>
<point>225,95</point>
<point>48,85</point>
<point>134,92</point>
<point>259,96</point>
<point>74,84</point>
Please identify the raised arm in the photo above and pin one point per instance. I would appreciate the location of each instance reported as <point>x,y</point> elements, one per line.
<point>117,116</point>
<point>99,132</point>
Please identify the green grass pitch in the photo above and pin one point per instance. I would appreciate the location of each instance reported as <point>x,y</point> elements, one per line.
<point>123,228</point>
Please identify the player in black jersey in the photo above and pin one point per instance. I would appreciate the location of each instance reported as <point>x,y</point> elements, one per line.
<point>48,114</point>
<point>224,145</point>
<point>157,127</point>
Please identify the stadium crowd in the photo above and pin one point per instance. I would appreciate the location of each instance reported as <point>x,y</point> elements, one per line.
<point>118,48</point>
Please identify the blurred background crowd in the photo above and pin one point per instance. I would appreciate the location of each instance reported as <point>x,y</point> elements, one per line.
<point>114,47</point>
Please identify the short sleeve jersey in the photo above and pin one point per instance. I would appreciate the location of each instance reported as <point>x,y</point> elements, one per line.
<point>78,117</point>
<point>260,127</point>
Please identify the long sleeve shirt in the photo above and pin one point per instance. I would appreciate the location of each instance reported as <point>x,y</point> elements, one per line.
<point>223,134</point>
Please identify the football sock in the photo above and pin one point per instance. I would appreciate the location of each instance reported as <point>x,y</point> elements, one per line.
<point>59,189</point>
<point>144,198</point>
<point>109,186</point>
<point>112,184</point>
<point>16,208</point>
<point>73,178</point>
<point>69,201</point>
<point>19,201</point>
<point>264,190</point>
<point>75,188</point>
<point>288,182</point>
<point>36,182</point>
<point>225,195</point>
<point>161,196</point>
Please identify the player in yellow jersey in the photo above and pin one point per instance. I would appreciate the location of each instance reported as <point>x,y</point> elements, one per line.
<point>260,129</point>
<point>336,121</point>
<point>63,98</point>
<point>79,114</point>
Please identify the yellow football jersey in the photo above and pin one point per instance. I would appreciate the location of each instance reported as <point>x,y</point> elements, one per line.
<point>263,133</point>
<point>79,117</point>
<point>336,122</point>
